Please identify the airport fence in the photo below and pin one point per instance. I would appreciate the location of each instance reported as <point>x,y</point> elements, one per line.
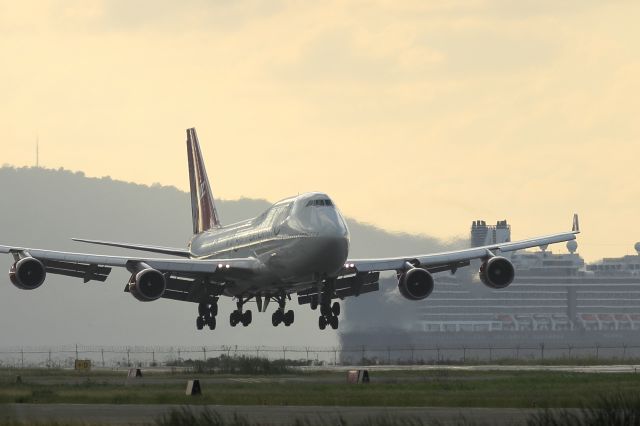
<point>179,356</point>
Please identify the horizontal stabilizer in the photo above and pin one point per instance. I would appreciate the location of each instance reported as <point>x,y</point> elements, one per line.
<point>152,249</point>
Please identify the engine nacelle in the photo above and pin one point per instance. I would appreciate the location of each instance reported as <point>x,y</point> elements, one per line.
<point>27,273</point>
<point>415,284</point>
<point>147,285</point>
<point>497,272</point>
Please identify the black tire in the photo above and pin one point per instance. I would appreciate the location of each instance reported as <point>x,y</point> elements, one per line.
<point>314,303</point>
<point>334,322</point>
<point>212,323</point>
<point>233,319</point>
<point>214,309</point>
<point>335,308</point>
<point>274,319</point>
<point>199,323</point>
<point>322,322</point>
<point>246,318</point>
<point>325,310</point>
<point>289,317</point>
<point>202,309</point>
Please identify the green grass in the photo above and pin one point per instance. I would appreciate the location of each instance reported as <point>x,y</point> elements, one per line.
<point>430,388</point>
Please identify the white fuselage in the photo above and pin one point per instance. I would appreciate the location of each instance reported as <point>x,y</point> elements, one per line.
<point>299,240</point>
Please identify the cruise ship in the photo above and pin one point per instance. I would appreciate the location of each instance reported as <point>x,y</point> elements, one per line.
<point>556,300</point>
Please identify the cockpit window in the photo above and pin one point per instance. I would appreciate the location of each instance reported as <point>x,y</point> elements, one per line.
<point>324,202</point>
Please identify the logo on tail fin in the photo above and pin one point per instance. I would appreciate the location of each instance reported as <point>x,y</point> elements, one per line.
<point>203,209</point>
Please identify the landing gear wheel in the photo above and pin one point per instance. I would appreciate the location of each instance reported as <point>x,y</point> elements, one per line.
<point>202,309</point>
<point>314,303</point>
<point>322,323</point>
<point>211,321</point>
<point>199,323</point>
<point>335,308</point>
<point>277,317</point>
<point>325,310</point>
<point>234,318</point>
<point>334,322</point>
<point>288,318</point>
<point>246,318</point>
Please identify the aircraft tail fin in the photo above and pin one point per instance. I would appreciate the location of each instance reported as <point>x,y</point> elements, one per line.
<point>203,208</point>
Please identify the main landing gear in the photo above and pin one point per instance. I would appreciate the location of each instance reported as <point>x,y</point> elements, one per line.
<point>238,316</point>
<point>279,316</point>
<point>207,314</point>
<point>328,313</point>
<point>329,316</point>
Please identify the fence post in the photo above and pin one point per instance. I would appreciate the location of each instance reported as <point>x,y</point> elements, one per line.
<point>76,351</point>
<point>438,355</point>
<point>21,357</point>
<point>307,350</point>
<point>50,358</point>
<point>128,357</point>
<point>335,356</point>
<point>153,356</point>
<point>204,353</point>
<point>102,353</point>
<point>542,351</point>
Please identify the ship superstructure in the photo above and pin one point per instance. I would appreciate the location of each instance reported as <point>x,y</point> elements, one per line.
<point>555,297</point>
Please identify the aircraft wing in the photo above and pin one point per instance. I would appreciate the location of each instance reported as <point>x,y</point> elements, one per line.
<point>452,260</point>
<point>97,267</point>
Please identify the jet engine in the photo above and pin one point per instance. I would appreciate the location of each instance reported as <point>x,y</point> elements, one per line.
<point>497,272</point>
<point>415,284</point>
<point>27,273</point>
<point>147,285</point>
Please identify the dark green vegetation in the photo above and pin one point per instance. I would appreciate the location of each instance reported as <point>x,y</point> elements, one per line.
<point>240,365</point>
<point>426,388</point>
<point>186,417</point>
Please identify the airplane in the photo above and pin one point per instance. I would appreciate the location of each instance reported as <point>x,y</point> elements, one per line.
<point>299,246</point>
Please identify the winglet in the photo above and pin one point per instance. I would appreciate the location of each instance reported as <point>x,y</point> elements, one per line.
<point>576,224</point>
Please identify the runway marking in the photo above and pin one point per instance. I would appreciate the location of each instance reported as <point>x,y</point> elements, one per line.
<point>248,380</point>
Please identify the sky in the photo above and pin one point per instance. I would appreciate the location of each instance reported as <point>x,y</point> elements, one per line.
<point>416,116</point>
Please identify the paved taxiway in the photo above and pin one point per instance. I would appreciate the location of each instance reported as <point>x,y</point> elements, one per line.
<point>145,414</point>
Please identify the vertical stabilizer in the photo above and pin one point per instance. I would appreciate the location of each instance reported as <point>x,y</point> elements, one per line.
<point>203,209</point>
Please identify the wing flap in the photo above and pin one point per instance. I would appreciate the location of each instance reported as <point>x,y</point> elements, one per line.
<point>151,249</point>
<point>87,272</point>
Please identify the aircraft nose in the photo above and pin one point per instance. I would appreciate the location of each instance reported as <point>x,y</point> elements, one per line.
<point>330,224</point>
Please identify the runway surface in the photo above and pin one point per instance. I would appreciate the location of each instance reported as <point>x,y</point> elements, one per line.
<point>146,414</point>
<point>487,367</point>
